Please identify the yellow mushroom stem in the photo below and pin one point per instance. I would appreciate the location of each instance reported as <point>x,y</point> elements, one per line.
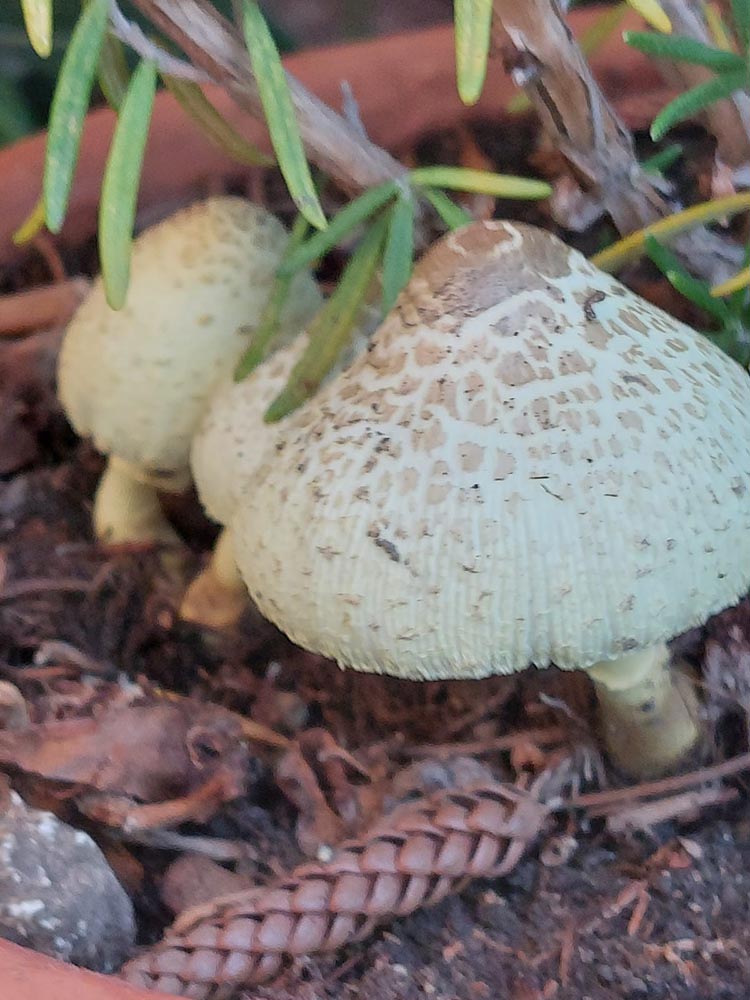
<point>127,509</point>
<point>217,597</point>
<point>648,713</point>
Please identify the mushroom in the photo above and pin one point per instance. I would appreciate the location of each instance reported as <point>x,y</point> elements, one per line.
<point>138,380</point>
<point>530,466</point>
<point>227,451</point>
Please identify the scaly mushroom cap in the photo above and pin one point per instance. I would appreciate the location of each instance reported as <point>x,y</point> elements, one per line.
<point>138,380</point>
<point>531,465</point>
<point>232,439</point>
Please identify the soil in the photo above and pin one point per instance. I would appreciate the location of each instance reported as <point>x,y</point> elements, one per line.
<point>564,930</point>
<point>661,911</point>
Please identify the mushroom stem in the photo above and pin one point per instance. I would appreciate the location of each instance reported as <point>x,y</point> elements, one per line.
<point>126,509</point>
<point>648,714</point>
<point>217,597</point>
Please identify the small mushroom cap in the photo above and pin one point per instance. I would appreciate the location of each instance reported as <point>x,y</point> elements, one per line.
<point>531,465</point>
<point>138,380</point>
<point>232,439</point>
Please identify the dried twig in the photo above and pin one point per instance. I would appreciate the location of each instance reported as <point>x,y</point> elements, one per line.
<point>134,36</point>
<point>546,736</point>
<point>212,44</point>
<point>215,848</point>
<point>646,815</point>
<point>198,805</point>
<point>56,651</point>
<point>546,60</point>
<point>256,732</point>
<point>41,585</point>
<point>728,121</point>
<point>48,305</point>
<point>415,858</point>
<point>598,802</point>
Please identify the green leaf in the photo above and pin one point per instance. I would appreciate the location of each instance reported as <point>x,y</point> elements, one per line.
<point>481,181</point>
<point>734,341</point>
<point>472,20</point>
<point>732,336</point>
<point>631,247</point>
<point>652,12</point>
<point>738,300</point>
<point>452,214</point>
<point>196,105</point>
<point>698,292</point>
<point>662,160</point>
<point>695,100</point>
<point>741,17</point>
<point>717,28</point>
<point>601,29</point>
<point>69,105</point>
<point>399,250</point>
<point>735,285</point>
<point>113,73</point>
<point>264,335</point>
<point>281,118</point>
<point>120,184</point>
<point>340,225</point>
<point>37,16</point>
<point>680,49</point>
<point>661,255</point>
<point>31,225</point>
<point>332,327</point>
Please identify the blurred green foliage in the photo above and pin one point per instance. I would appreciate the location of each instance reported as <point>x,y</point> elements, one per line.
<point>26,81</point>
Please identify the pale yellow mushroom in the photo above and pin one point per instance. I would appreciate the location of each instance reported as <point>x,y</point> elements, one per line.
<point>138,380</point>
<point>227,450</point>
<point>530,466</point>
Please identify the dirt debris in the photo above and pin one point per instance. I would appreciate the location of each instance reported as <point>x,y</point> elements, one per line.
<point>137,766</point>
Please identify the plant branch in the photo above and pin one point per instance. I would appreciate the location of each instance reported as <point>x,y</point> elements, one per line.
<point>132,34</point>
<point>544,58</point>
<point>728,121</point>
<point>212,44</point>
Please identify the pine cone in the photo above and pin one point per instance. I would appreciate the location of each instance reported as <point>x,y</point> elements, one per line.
<point>417,857</point>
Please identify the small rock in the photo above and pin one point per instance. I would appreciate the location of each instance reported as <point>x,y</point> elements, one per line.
<point>606,974</point>
<point>58,894</point>
<point>193,879</point>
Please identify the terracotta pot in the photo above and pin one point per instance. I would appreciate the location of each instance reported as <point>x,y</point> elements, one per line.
<point>26,975</point>
<point>385,74</point>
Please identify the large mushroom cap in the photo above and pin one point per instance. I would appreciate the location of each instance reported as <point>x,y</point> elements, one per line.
<point>232,438</point>
<point>138,380</point>
<point>530,466</point>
